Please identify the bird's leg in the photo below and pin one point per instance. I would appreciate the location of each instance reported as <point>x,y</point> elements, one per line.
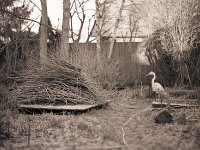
<point>168,105</point>
<point>156,96</point>
<point>160,100</point>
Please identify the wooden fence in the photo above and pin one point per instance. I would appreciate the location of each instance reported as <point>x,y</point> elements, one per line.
<point>124,66</point>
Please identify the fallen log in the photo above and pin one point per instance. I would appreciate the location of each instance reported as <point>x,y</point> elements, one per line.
<point>191,94</point>
<point>174,105</point>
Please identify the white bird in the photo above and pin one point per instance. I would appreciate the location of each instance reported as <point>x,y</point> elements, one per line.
<point>157,87</point>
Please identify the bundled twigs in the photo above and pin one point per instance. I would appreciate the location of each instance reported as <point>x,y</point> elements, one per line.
<point>57,83</point>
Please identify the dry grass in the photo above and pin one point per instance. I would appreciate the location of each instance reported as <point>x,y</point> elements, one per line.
<point>105,72</point>
<point>102,129</point>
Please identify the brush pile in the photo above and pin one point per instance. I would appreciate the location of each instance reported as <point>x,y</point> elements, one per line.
<point>58,83</point>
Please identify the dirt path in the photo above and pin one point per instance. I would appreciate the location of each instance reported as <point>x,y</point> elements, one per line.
<point>102,129</point>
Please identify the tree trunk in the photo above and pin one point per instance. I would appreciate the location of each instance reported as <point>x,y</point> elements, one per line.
<point>115,29</point>
<point>98,33</point>
<point>43,33</point>
<point>64,52</point>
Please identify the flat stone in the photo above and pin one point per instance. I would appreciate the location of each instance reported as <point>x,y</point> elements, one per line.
<point>163,117</point>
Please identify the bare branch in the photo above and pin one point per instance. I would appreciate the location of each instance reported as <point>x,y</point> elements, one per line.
<point>35,5</point>
<point>13,14</point>
<point>90,32</point>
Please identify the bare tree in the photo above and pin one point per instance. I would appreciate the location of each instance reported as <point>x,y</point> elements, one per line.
<point>98,32</point>
<point>183,34</point>
<point>43,33</point>
<point>64,52</point>
<point>178,34</point>
<point>94,22</point>
<point>115,29</point>
<point>89,31</point>
<point>134,18</point>
<point>103,25</point>
<point>79,10</point>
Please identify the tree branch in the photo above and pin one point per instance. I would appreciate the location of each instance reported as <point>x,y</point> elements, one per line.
<point>11,13</point>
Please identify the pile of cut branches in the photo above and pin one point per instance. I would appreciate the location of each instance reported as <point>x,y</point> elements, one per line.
<point>57,83</point>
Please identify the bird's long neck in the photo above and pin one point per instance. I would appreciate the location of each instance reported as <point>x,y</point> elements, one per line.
<point>152,81</point>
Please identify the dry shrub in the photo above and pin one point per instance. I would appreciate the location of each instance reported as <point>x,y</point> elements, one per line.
<point>173,66</point>
<point>7,106</point>
<point>104,72</point>
<point>107,74</point>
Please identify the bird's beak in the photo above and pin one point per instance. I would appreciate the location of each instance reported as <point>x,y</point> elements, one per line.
<point>147,74</point>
